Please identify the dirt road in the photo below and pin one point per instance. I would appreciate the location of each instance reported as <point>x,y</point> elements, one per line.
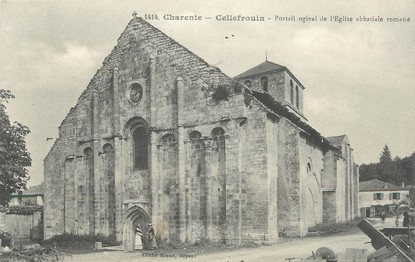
<point>298,248</point>
<point>291,248</point>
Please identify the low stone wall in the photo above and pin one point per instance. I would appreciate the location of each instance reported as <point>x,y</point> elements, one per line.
<point>24,223</point>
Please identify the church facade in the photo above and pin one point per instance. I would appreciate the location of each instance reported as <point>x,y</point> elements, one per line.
<point>161,136</point>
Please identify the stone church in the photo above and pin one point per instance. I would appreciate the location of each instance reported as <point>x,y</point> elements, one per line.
<point>161,136</point>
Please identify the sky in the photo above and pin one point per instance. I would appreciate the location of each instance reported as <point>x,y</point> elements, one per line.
<point>358,76</point>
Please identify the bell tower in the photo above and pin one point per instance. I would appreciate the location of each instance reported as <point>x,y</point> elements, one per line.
<point>277,81</point>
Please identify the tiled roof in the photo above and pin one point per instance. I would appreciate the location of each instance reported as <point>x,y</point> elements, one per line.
<point>336,140</point>
<point>264,67</point>
<point>377,185</point>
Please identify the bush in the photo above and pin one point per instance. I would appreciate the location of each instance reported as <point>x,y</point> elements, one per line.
<point>221,93</point>
<point>333,228</point>
<point>74,240</point>
<point>203,243</point>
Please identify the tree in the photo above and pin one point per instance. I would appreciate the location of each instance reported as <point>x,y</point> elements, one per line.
<point>386,155</point>
<point>14,157</point>
<point>368,172</point>
<point>396,171</point>
<point>389,170</point>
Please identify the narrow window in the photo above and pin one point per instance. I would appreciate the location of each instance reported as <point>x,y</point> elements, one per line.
<point>264,83</point>
<point>140,148</point>
<point>297,97</point>
<point>292,92</point>
<point>308,168</point>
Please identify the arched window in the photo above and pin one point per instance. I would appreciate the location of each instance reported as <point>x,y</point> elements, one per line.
<point>264,83</point>
<point>248,83</point>
<point>88,153</point>
<point>107,148</point>
<point>292,92</point>
<point>169,140</point>
<point>140,146</point>
<point>218,134</point>
<point>195,139</point>
<point>195,135</point>
<point>297,97</point>
<point>308,168</point>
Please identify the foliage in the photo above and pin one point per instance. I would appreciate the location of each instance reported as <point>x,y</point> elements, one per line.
<point>333,228</point>
<point>203,243</point>
<point>37,254</point>
<point>221,93</point>
<point>14,158</point>
<point>395,171</point>
<point>385,156</point>
<point>74,240</point>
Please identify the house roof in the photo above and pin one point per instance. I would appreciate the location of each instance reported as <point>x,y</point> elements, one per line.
<point>377,185</point>
<point>264,67</point>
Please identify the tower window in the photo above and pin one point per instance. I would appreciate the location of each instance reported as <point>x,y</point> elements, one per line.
<point>292,92</point>
<point>297,97</point>
<point>264,83</point>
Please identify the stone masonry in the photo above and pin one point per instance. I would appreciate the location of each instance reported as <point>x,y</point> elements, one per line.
<point>161,136</point>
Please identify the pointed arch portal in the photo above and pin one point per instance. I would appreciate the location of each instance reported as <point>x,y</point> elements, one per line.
<point>133,217</point>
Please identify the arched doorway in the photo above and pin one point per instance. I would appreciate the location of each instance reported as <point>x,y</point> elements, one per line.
<point>135,216</point>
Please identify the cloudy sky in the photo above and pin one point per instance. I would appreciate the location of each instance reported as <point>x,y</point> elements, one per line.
<point>358,75</point>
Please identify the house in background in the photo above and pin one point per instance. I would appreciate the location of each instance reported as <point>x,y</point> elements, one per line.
<point>23,218</point>
<point>33,196</point>
<point>376,196</point>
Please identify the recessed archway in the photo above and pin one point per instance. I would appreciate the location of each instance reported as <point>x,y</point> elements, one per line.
<point>135,216</point>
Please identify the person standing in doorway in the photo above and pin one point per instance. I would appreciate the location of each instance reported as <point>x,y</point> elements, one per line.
<point>152,243</point>
<point>138,238</point>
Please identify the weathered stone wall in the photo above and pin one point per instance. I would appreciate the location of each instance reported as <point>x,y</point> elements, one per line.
<point>289,184</point>
<point>329,207</point>
<point>272,175</point>
<point>356,204</point>
<point>329,184</point>
<point>341,189</point>
<point>311,165</point>
<point>22,222</point>
<point>254,187</point>
<point>329,177</point>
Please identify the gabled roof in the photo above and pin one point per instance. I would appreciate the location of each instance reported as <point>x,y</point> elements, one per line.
<point>264,67</point>
<point>377,185</point>
<point>337,141</point>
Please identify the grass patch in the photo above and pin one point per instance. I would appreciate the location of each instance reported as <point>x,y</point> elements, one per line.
<point>333,228</point>
<point>73,243</point>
